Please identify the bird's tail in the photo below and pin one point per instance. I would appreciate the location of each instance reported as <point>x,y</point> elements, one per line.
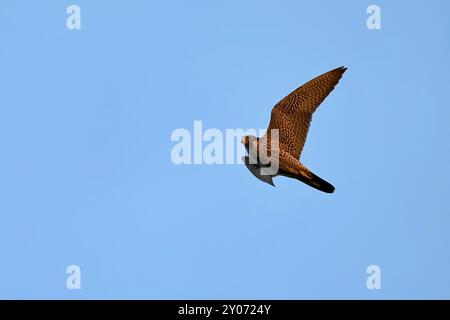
<point>315,181</point>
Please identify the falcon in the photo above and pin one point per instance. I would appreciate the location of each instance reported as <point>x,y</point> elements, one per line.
<point>290,120</point>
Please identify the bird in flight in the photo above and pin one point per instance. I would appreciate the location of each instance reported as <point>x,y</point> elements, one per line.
<point>290,120</point>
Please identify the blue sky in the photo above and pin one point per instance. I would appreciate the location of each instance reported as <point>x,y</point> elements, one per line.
<point>86,176</point>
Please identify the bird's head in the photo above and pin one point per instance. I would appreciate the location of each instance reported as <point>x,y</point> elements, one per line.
<point>247,140</point>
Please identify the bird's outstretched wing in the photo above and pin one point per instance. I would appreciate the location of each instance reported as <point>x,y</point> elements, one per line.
<point>292,115</point>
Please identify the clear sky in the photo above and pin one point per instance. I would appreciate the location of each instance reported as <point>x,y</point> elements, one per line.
<point>86,176</point>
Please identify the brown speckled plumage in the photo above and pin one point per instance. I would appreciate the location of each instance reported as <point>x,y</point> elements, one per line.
<point>292,117</point>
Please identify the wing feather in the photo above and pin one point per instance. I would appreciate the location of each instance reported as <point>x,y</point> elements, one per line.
<point>292,115</point>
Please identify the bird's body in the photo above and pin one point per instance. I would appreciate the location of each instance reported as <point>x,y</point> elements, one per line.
<point>290,120</point>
